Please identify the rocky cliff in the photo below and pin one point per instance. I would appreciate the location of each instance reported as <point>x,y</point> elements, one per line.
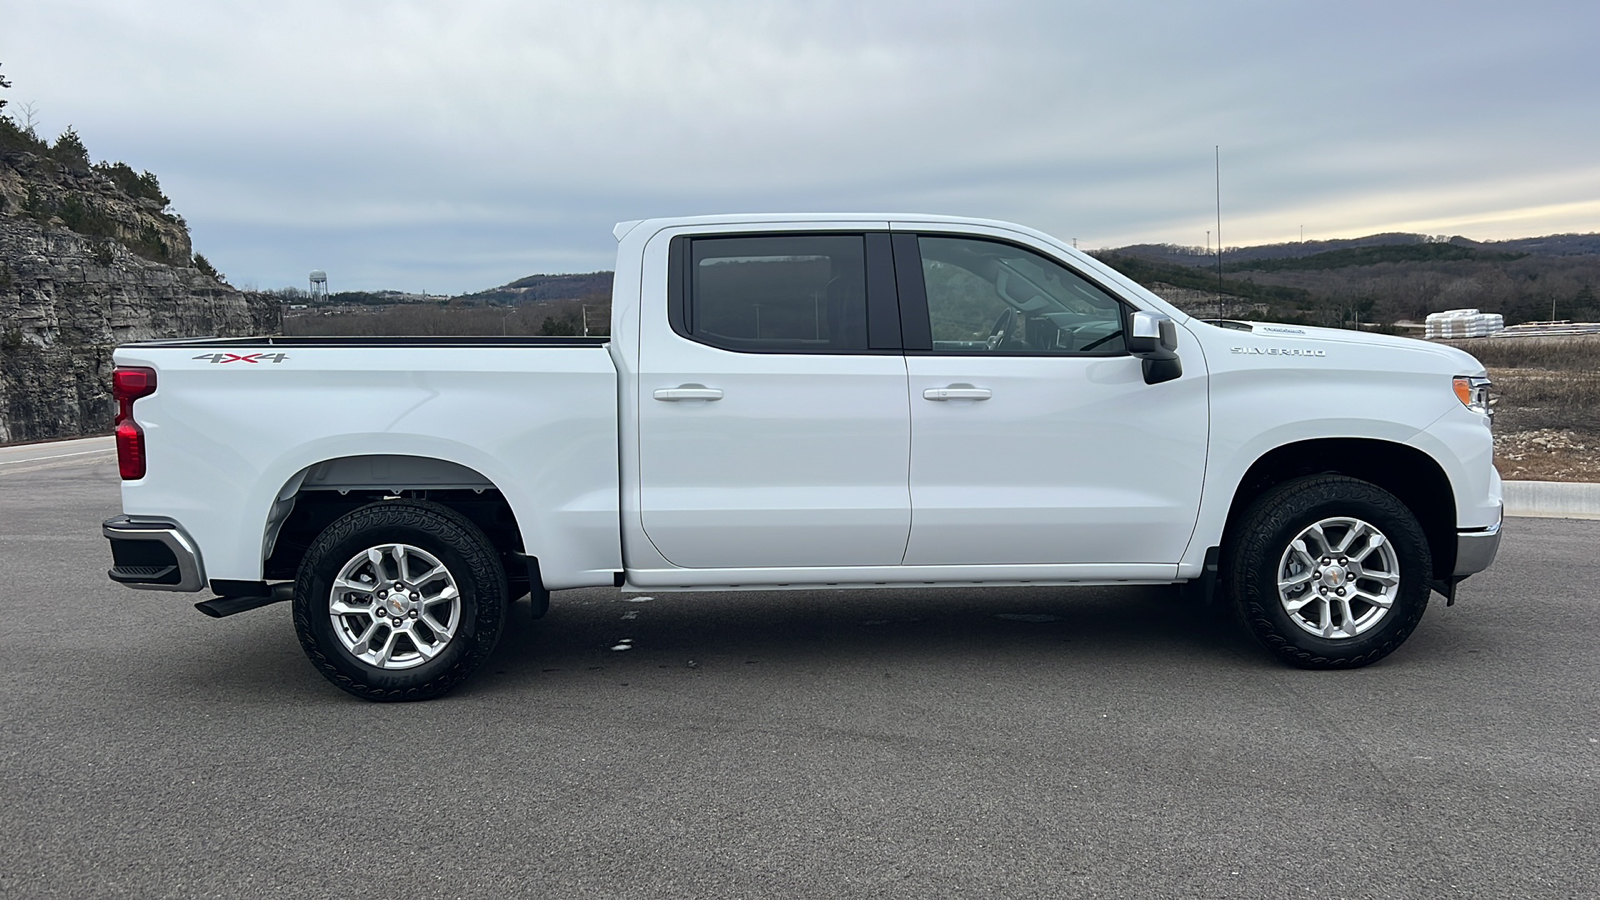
<point>90,259</point>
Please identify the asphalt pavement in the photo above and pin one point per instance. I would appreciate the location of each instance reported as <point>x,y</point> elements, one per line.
<point>1042,742</point>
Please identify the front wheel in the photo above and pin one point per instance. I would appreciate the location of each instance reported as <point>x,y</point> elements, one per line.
<point>1329,572</point>
<point>400,600</point>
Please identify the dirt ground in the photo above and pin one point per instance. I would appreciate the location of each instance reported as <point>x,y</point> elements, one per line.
<point>1547,454</point>
<point>1547,407</point>
<point>1546,400</point>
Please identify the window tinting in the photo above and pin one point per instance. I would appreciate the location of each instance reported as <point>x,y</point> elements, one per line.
<point>986,296</point>
<point>789,293</point>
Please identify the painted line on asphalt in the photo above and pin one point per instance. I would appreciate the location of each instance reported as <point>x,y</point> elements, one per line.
<point>37,459</point>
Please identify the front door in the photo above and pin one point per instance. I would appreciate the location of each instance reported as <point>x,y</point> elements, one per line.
<point>1034,437</point>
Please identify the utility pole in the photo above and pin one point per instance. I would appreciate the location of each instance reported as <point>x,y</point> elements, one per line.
<point>1219,225</point>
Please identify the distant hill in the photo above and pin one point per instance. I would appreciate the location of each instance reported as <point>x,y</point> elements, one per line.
<point>1550,245</point>
<point>545,288</point>
<point>1176,254</point>
<point>1380,278</point>
<point>1371,256</point>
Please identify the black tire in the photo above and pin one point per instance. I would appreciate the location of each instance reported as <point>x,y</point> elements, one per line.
<point>471,568</point>
<point>1260,550</point>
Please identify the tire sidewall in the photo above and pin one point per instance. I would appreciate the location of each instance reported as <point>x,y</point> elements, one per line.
<point>1278,519</point>
<point>438,531</point>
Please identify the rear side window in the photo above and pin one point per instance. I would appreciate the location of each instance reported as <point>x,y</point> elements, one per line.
<point>803,293</point>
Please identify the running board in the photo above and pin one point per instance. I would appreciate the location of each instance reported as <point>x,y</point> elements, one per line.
<point>219,607</point>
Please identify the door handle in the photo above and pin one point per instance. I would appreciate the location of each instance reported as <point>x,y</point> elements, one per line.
<point>957,392</point>
<point>688,392</point>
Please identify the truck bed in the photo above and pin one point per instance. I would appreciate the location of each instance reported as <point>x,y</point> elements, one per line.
<point>236,426</point>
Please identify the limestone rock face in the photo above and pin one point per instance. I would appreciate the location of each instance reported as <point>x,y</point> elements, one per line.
<point>68,298</point>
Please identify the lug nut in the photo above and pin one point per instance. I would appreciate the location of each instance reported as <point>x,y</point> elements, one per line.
<point>1340,592</point>
<point>413,614</point>
<point>382,594</point>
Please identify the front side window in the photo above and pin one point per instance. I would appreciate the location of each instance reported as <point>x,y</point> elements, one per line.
<point>786,293</point>
<point>992,297</point>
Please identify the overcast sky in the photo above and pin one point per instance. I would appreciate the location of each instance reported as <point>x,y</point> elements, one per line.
<point>456,146</point>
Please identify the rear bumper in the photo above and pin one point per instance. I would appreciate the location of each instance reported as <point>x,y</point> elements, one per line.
<point>1475,550</point>
<point>153,555</point>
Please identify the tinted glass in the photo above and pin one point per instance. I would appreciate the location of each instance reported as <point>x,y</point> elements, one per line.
<point>990,297</point>
<point>789,293</point>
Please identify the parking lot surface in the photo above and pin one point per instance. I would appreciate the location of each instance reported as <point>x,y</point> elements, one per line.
<point>1089,742</point>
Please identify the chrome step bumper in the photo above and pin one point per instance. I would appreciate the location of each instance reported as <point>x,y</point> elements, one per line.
<point>153,555</point>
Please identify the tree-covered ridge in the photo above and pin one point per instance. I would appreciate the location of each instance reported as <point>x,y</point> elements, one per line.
<point>58,184</point>
<point>540,288</point>
<point>1148,272</point>
<point>1370,256</point>
<point>1383,285</point>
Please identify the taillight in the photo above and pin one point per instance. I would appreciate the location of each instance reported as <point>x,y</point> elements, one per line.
<point>129,383</point>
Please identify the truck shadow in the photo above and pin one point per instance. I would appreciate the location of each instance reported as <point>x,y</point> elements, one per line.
<point>607,631</point>
<point>602,636</point>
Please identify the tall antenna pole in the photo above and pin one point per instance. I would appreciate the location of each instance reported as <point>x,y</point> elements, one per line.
<point>1219,222</point>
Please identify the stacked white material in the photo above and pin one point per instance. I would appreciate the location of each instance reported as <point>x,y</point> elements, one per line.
<point>1550,329</point>
<point>1462,323</point>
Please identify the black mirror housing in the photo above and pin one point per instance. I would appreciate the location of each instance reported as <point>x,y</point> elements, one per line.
<point>1154,338</point>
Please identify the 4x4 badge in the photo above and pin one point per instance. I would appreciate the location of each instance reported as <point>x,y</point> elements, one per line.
<point>251,358</point>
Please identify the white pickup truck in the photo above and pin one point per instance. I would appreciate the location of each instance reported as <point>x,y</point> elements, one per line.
<point>800,401</point>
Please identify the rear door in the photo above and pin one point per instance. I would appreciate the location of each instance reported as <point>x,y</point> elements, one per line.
<point>774,425</point>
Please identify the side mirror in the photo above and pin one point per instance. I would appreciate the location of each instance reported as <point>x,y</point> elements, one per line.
<point>1154,338</point>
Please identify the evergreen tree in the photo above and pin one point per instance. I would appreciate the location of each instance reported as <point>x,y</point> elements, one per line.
<point>70,151</point>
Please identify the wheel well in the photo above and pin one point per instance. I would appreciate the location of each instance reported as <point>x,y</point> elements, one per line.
<point>1411,475</point>
<point>332,488</point>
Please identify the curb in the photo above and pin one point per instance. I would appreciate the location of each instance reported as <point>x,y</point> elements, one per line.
<point>1552,499</point>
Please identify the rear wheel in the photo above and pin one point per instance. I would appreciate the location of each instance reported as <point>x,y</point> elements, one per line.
<point>400,600</point>
<point>1329,572</point>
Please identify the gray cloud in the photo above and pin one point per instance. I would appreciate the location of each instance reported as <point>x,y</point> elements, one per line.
<point>453,147</point>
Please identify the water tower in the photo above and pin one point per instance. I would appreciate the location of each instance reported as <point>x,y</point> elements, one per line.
<point>319,286</point>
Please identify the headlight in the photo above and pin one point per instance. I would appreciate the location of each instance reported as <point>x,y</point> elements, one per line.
<point>1473,392</point>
